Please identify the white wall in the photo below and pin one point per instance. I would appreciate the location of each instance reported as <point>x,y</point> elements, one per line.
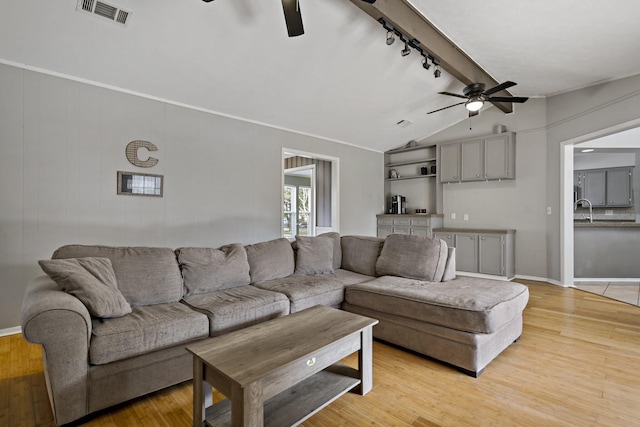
<point>510,204</point>
<point>62,143</point>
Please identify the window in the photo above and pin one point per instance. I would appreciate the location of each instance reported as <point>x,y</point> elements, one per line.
<point>289,211</point>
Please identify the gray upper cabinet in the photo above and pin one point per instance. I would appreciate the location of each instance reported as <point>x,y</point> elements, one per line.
<point>499,157</point>
<point>450,163</point>
<point>471,160</point>
<point>607,187</point>
<point>594,186</point>
<point>487,158</point>
<point>619,187</point>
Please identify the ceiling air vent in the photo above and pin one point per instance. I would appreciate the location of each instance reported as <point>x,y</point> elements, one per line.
<point>106,10</point>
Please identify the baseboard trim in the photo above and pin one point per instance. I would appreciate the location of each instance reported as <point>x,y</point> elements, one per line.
<point>10,331</point>
<point>542,279</point>
<point>608,279</point>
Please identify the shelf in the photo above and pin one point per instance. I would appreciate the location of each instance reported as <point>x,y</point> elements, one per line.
<point>296,404</point>
<point>406,150</point>
<point>410,177</point>
<point>410,162</point>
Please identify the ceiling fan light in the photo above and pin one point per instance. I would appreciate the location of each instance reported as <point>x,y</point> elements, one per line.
<point>474,104</point>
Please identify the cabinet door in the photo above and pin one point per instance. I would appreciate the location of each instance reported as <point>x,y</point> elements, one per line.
<point>619,189</point>
<point>421,231</point>
<point>384,231</point>
<point>498,163</point>
<point>594,187</point>
<point>466,252</point>
<point>491,254</point>
<point>471,161</point>
<point>447,237</point>
<point>450,163</point>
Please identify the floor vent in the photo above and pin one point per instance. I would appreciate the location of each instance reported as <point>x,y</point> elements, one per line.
<point>106,10</point>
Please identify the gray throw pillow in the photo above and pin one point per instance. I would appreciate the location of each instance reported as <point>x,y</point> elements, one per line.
<point>360,253</point>
<point>207,270</point>
<point>413,257</point>
<point>270,260</point>
<point>314,255</point>
<point>92,281</point>
<point>337,248</point>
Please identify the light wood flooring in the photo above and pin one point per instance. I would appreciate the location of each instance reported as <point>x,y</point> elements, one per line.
<point>576,364</point>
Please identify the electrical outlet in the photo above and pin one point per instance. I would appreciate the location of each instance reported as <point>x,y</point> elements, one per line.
<point>466,217</point>
<point>548,210</point>
<point>453,215</point>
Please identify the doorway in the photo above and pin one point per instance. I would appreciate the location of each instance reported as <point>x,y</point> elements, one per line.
<point>319,213</point>
<point>299,206</point>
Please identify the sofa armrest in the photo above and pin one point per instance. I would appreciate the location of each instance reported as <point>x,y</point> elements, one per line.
<point>450,266</point>
<point>62,325</point>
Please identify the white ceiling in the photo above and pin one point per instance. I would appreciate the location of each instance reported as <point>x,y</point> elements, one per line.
<point>338,81</point>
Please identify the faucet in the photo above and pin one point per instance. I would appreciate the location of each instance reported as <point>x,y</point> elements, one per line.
<point>575,207</point>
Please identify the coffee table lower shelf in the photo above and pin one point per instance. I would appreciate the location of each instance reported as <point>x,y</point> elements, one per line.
<point>298,403</point>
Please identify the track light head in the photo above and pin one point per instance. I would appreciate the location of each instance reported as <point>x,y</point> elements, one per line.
<point>425,64</point>
<point>437,73</point>
<point>406,51</point>
<point>390,38</point>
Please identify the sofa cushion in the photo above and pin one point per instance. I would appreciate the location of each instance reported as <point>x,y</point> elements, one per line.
<point>145,276</point>
<point>414,257</point>
<point>337,248</point>
<point>306,291</point>
<point>146,329</point>
<point>270,260</point>
<point>348,278</point>
<point>360,253</point>
<point>239,307</point>
<point>207,269</point>
<point>314,255</point>
<point>92,281</point>
<point>465,303</point>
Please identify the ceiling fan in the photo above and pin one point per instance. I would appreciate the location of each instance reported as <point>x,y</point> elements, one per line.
<point>476,96</point>
<point>292,17</point>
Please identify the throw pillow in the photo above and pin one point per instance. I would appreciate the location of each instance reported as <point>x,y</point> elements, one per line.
<point>270,260</point>
<point>360,253</point>
<point>207,270</point>
<point>413,257</point>
<point>314,255</point>
<point>337,248</point>
<point>92,281</point>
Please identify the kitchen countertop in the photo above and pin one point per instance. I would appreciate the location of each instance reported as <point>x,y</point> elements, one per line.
<point>606,224</point>
<point>473,230</point>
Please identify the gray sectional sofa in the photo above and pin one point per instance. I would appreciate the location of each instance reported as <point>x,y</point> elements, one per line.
<point>113,322</point>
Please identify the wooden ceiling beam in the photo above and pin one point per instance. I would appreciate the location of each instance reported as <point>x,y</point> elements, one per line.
<point>410,22</point>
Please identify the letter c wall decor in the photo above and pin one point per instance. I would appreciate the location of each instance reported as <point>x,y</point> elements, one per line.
<point>132,154</point>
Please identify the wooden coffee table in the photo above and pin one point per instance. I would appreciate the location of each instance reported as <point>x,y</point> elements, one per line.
<point>280,372</point>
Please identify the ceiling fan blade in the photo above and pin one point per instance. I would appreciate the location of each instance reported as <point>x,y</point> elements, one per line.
<point>473,113</point>
<point>453,94</point>
<point>440,109</point>
<point>501,86</point>
<point>293,17</point>
<point>518,99</point>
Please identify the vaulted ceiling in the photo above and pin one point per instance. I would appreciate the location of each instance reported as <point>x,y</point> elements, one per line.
<point>338,81</point>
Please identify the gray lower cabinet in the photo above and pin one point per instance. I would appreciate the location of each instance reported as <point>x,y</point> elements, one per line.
<point>490,252</point>
<point>417,225</point>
